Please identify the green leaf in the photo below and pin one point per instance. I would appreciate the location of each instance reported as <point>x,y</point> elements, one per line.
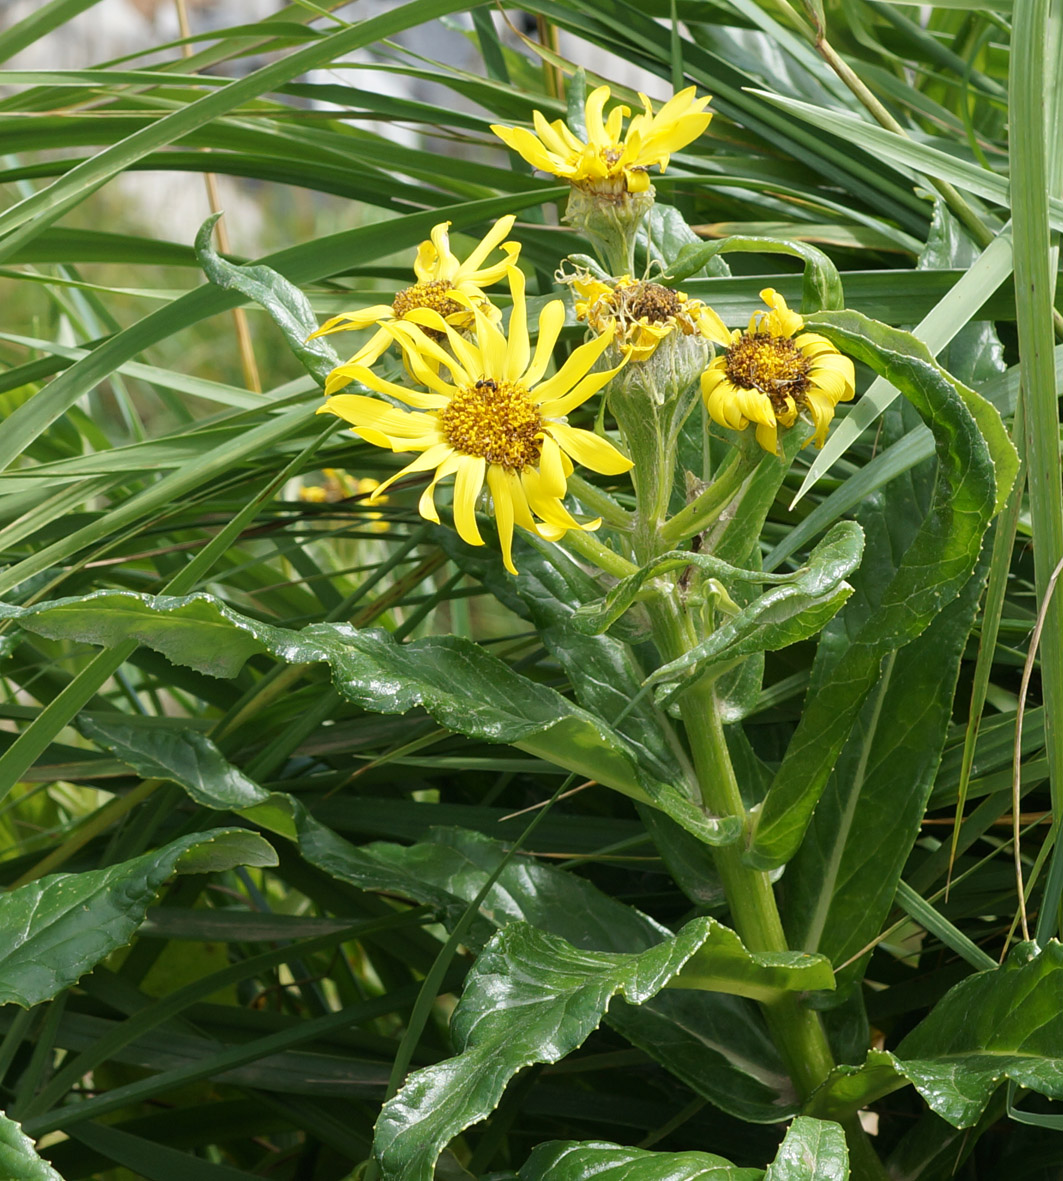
<point>722,964</point>
<point>793,611</point>
<point>1004,1024</point>
<point>571,1160</point>
<point>531,997</point>
<point>594,618</point>
<point>164,748</point>
<point>461,685</point>
<point>976,460</point>
<point>716,1043</point>
<point>822,284</point>
<point>840,886</point>
<point>63,925</point>
<point>18,1158</point>
<point>813,1150</point>
<point>288,306</point>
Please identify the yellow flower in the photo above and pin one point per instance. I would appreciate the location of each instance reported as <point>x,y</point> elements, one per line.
<point>771,372</point>
<point>611,161</point>
<point>498,420</point>
<point>444,284</point>
<point>641,313</point>
<point>340,486</point>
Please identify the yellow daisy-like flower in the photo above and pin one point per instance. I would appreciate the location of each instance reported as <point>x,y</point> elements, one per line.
<point>611,161</point>
<point>771,372</point>
<point>641,313</point>
<point>497,421</point>
<point>444,285</point>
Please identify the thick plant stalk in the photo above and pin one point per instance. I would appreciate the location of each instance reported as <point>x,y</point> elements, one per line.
<point>1034,286</point>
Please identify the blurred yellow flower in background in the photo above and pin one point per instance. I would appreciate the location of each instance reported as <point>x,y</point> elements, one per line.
<point>498,420</point>
<point>771,372</point>
<point>444,284</point>
<point>611,161</point>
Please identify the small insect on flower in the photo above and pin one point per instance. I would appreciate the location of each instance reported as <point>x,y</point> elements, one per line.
<point>774,371</point>
<point>497,422</point>
<point>444,285</point>
<point>612,161</point>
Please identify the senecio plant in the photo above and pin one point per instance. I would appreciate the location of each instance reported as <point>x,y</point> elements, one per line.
<point>611,458</point>
<point>650,590</point>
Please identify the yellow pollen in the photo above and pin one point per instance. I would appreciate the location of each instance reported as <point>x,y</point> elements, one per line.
<point>774,365</point>
<point>431,294</point>
<point>496,421</point>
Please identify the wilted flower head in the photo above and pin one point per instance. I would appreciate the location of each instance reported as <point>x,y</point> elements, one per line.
<point>641,313</point>
<point>611,161</point>
<point>444,284</point>
<point>772,372</point>
<point>498,420</point>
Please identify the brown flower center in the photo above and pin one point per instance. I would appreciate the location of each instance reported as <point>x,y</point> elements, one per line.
<point>495,420</point>
<point>772,364</point>
<point>652,302</point>
<point>431,294</point>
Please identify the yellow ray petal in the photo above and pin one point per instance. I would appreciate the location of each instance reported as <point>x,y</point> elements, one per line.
<point>551,473</point>
<point>371,412</point>
<point>362,318</point>
<point>467,485</point>
<point>423,463</point>
<point>502,501</point>
<point>595,104</point>
<point>551,321</point>
<point>426,506</point>
<point>589,449</point>
<point>579,362</point>
<point>414,398</point>
<point>517,350</point>
<point>526,145</point>
<point>490,240</point>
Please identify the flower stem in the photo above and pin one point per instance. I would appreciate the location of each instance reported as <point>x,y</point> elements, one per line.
<point>796,1030</point>
<point>587,546</point>
<point>707,507</point>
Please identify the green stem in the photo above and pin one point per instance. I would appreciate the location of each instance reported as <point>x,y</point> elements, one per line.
<point>599,502</point>
<point>795,1029</point>
<point>703,511</point>
<point>587,546</point>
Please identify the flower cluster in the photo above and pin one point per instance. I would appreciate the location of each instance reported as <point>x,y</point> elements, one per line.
<point>483,406</point>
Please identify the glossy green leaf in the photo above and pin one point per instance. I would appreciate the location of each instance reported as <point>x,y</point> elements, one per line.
<point>997,1025</point>
<point>580,1160</point>
<point>976,460</point>
<point>288,306</point>
<point>813,1150</point>
<point>158,748</point>
<point>531,997</point>
<point>604,672</point>
<point>1006,1024</point>
<point>456,681</point>
<point>63,925</point>
<point>793,611</point>
<point>18,1157</point>
<point>840,886</point>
